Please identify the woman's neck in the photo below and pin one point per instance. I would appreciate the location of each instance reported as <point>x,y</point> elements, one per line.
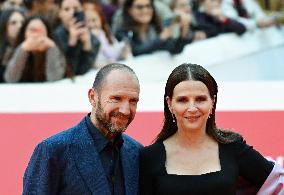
<point>12,41</point>
<point>143,28</point>
<point>191,138</point>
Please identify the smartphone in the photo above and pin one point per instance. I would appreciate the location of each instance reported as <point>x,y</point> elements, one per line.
<point>79,16</point>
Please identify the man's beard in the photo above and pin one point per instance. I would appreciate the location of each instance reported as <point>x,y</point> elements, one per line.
<point>106,123</point>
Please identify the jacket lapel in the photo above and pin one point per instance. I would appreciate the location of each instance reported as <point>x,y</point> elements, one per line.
<point>129,161</point>
<point>88,161</point>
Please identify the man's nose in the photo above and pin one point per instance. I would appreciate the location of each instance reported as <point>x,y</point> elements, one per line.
<point>124,108</point>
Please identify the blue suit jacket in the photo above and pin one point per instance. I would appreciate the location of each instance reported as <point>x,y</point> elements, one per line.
<point>68,163</point>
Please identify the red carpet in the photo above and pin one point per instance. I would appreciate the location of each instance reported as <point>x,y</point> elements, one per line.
<point>21,132</point>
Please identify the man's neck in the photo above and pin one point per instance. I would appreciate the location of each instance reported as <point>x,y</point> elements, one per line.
<point>109,135</point>
<point>106,133</point>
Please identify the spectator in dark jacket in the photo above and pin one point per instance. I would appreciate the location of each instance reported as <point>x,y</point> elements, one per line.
<point>79,45</point>
<point>210,17</point>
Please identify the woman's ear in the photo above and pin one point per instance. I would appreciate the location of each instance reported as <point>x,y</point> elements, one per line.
<point>169,102</point>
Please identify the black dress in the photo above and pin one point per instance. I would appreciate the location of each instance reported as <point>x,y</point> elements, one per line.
<point>236,159</point>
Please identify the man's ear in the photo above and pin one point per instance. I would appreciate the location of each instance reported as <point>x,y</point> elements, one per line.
<point>93,96</point>
<point>169,102</point>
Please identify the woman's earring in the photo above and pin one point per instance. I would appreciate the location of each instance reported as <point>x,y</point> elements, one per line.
<point>173,118</point>
<point>209,116</point>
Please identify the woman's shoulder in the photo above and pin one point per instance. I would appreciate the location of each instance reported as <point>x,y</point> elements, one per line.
<point>152,158</point>
<point>153,150</point>
<point>238,146</point>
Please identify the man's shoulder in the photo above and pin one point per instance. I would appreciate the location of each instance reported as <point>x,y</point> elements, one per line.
<point>129,141</point>
<point>63,138</point>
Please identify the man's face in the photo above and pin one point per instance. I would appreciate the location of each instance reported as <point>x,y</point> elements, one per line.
<point>116,102</point>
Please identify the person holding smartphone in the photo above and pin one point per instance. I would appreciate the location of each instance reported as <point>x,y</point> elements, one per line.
<point>79,45</point>
<point>111,49</point>
<point>184,17</point>
<point>141,21</point>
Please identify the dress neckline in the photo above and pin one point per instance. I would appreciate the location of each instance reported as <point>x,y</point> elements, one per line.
<point>164,158</point>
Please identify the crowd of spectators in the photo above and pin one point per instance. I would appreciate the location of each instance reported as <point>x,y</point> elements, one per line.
<point>47,40</point>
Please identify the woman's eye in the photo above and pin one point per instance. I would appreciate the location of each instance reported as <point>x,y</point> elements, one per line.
<point>201,99</point>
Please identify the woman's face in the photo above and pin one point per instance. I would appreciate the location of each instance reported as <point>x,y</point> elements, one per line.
<point>182,6</point>
<point>141,11</point>
<point>67,10</point>
<point>191,104</point>
<point>93,20</point>
<point>15,22</point>
<point>35,28</point>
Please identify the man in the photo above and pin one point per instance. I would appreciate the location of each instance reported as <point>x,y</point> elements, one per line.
<point>79,45</point>
<point>94,157</point>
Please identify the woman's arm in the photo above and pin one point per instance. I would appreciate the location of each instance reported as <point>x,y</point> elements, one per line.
<point>252,165</point>
<point>55,64</point>
<point>16,65</point>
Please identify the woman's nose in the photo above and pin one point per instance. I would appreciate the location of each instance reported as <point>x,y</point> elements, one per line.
<point>192,106</point>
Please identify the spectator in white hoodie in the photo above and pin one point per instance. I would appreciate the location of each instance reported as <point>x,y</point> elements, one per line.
<point>247,12</point>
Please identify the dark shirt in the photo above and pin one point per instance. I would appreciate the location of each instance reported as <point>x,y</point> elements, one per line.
<point>109,153</point>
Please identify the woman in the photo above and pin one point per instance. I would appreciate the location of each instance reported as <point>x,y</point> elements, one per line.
<point>191,155</point>
<point>110,49</point>
<point>10,23</point>
<point>36,58</point>
<point>80,47</point>
<point>143,29</point>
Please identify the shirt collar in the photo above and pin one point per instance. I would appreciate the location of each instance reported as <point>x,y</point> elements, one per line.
<point>99,139</point>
